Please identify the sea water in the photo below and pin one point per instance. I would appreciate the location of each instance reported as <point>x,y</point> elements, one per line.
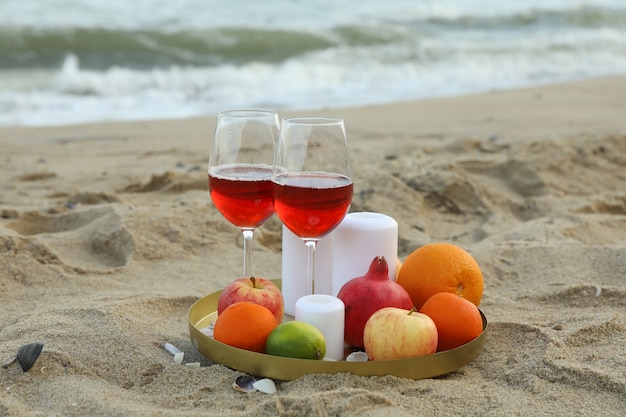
<point>72,61</point>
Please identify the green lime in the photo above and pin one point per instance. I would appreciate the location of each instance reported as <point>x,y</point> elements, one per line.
<point>296,339</point>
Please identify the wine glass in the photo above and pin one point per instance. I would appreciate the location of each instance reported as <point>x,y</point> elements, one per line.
<point>312,178</point>
<point>240,170</point>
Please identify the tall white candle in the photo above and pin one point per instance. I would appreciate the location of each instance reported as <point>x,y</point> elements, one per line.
<point>360,238</point>
<point>294,268</point>
<point>327,313</point>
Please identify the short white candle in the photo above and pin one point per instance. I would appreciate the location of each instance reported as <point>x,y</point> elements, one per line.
<point>358,239</point>
<point>294,268</point>
<point>327,313</point>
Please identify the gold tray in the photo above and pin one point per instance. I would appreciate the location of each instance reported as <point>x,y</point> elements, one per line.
<point>203,311</point>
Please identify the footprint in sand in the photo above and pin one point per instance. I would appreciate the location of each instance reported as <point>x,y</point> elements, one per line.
<point>103,331</point>
<point>590,340</point>
<point>601,330</point>
<point>85,237</point>
<point>600,220</point>
<point>169,181</point>
<point>526,347</point>
<point>586,296</point>
<point>449,205</point>
<point>611,204</point>
<point>513,184</point>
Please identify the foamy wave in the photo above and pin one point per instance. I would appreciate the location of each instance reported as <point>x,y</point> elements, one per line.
<point>148,67</point>
<point>274,14</point>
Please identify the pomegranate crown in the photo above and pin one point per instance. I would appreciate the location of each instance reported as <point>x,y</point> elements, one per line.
<point>379,265</point>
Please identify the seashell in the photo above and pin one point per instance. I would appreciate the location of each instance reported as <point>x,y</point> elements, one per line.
<point>212,320</point>
<point>265,385</point>
<point>357,357</point>
<point>6,363</point>
<point>171,348</point>
<point>27,355</point>
<point>244,383</point>
<point>193,364</point>
<point>208,330</point>
<point>178,358</point>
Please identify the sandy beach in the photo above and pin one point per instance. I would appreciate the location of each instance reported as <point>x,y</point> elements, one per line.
<point>108,236</point>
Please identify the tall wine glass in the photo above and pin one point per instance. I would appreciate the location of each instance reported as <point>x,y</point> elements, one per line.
<point>312,180</point>
<point>240,170</point>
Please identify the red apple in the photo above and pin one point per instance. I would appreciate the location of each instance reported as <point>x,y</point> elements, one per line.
<point>396,333</point>
<point>256,290</point>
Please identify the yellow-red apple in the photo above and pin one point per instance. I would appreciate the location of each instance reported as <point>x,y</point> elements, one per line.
<point>396,333</point>
<point>256,290</point>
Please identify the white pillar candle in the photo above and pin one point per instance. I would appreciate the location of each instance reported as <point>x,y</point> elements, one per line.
<point>327,313</point>
<point>360,238</point>
<point>294,268</point>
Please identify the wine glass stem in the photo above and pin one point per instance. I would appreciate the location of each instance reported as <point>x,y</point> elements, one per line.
<point>310,265</point>
<point>247,243</point>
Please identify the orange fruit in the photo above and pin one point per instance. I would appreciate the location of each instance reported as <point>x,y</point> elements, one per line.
<point>441,267</point>
<point>398,265</point>
<point>458,321</point>
<point>244,325</point>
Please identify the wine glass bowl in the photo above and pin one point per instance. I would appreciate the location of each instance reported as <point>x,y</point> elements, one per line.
<point>312,204</point>
<point>242,194</point>
<point>240,170</point>
<point>312,178</point>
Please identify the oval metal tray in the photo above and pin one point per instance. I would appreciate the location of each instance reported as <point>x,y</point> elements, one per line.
<point>203,311</point>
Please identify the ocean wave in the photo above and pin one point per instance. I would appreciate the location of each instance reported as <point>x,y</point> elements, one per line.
<point>577,17</point>
<point>101,48</point>
<point>145,49</point>
<point>137,68</point>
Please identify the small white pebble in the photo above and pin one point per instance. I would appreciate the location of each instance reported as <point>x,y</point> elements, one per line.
<point>193,364</point>
<point>357,357</point>
<point>598,290</point>
<point>178,358</point>
<point>172,349</point>
<point>207,331</point>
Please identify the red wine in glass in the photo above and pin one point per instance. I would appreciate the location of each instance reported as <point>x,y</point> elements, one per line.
<point>243,193</point>
<point>312,204</point>
<point>240,170</point>
<point>312,181</point>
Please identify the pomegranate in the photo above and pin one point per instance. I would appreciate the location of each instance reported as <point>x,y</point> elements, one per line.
<point>365,295</point>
